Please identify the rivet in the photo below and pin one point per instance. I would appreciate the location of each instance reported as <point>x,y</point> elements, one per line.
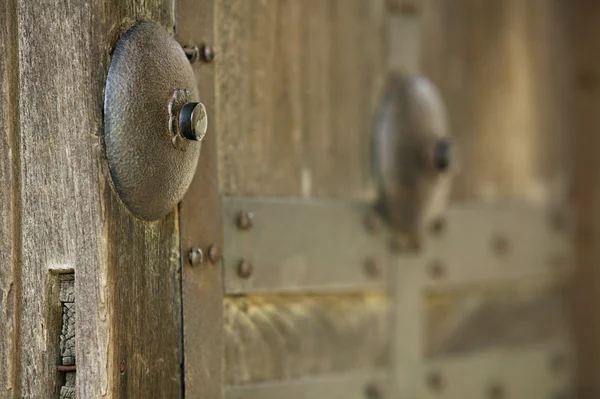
<point>372,222</point>
<point>245,220</point>
<point>435,382</point>
<point>438,226</point>
<point>192,53</point>
<point>196,256</point>
<point>372,267</point>
<point>496,391</point>
<point>244,269</point>
<point>403,244</point>
<point>500,245</point>
<point>372,392</point>
<point>557,362</point>
<point>214,253</point>
<point>193,121</point>
<point>208,53</point>
<point>122,367</point>
<point>437,269</point>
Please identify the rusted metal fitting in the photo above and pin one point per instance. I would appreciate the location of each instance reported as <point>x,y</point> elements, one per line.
<point>244,269</point>
<point>193,121</point>
<point>245,220</point>
<point>208,53</point>
<point>214,253</point>
<point>192,53</point>
<point>372,267</point>
<point>196,256</point>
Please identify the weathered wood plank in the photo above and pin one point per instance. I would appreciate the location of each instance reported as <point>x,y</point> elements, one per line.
<point>9,210</point>
<point>584,80</point>
<point>297,88</point>
<point>274,337</point>
<point>500,66</point>
<point>128,323</point>
<point>201,226</point>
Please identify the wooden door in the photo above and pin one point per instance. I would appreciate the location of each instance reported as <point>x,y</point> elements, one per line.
<point>299,291</point>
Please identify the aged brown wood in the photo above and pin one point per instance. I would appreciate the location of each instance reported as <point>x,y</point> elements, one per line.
<point>501,67</point>
<point>201,226</point>
<point>584,82</point>
<point>275,337</point>
<point>297,88</point>
<point>128,332</point>
<point>9,200</point>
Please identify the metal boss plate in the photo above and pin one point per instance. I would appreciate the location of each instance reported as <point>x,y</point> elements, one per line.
<point>149,81</point>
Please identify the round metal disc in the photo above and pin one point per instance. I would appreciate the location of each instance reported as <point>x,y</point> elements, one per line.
<point>149,172</point>
<point>412,153</point>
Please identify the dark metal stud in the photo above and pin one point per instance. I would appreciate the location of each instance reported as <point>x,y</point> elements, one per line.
<point>245,220</point>
<point>437,269</point>
<point>193,121</point>
<point>441,155</point>
<point>196,256</point>
<point>372,392</point>
<point>244,269</point>
<point>435,382</point>
<point>500,245</point>
<point>372,267</point>
<point>192,53</point>
<point>438,226</point>
<point>496,391</point>
<point>208,53</point>
<point>214,253</point>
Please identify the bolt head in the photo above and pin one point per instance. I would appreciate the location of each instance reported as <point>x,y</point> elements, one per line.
<point>500,245</point>
<point>214,253</point>
<point>193,121</point>
<point>196,256</point>
<point>372,267</point>
<point>496,391</point>
<point>244,269</point>
<point>372,391</point>
<point>441,156</point>
<point>435,382</point>
<point>245,220</point>
<point>437,269</point>
<point>208,53</point>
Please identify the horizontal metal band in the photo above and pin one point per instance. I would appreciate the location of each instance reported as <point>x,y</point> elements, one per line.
<point>344,386</point>
<point>292,245</point>
<point>541,371</point>
<point>302,245</point>
<point>491,242</point>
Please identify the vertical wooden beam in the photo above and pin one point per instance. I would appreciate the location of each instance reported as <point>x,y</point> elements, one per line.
<point>9,200</point>
<point>201,225</point>
<point>127,282</point>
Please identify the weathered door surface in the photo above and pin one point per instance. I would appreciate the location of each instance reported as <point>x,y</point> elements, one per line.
<point>287,270</point>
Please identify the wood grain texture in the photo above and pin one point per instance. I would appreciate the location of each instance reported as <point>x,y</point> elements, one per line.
<point>284,337</point>
<point>128,323</point>
<point>501,67</point>
<point>9,208</point>
<point>584,81</point>
<point>297,88</point>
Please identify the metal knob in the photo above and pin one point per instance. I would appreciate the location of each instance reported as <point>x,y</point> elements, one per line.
<point>193,121</point>
<point>441,155</point>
